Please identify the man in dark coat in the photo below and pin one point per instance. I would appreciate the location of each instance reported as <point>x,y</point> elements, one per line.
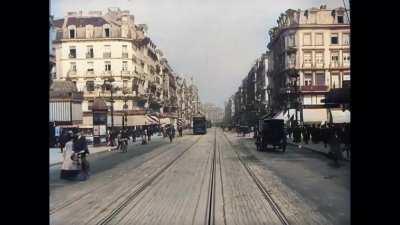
<point>65,137</point>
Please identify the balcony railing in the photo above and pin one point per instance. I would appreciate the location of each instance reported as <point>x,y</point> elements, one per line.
<point>334,64</point>
<point>72,56</point>
<point>319,65</point>
<point>71,73</point>
<point>90,73</point>
<point>314,88</point>
<point>124,55</point>
<point>125,73</point>
<point>89,55</point>
<point>106,73</point>
<point>107,55</point>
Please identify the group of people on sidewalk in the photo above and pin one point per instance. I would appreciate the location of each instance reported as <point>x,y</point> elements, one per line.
<point>330,134</point>
<point>131,133</point>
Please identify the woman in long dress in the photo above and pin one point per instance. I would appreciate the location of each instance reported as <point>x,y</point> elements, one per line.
<point>70,167</point>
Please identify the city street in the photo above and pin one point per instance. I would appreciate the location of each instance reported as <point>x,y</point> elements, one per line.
<point>217,178</point>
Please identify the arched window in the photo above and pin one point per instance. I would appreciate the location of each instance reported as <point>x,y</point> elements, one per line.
<point>72,31</point>
<point>106,30</point>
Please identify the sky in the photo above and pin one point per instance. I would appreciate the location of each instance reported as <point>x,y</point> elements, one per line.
<point>215,42</point>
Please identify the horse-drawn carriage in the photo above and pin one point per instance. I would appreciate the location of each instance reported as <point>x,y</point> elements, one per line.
<point>271,132</point>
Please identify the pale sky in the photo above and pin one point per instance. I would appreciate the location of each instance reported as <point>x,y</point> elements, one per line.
<point>216,42</point>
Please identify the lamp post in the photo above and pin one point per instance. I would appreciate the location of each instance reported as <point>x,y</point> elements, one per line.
<point>125,117</point>
<point>108,85</point>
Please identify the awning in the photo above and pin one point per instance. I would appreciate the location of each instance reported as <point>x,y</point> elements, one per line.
<point>179,122</point>
<point>338,96</point>
<point>165,121</point>
<point>152,119</point>
<point>85,126</point>
<point>286,115</point>
<point>338,116</point>
<point>137,120</point>
<point>314,115</point>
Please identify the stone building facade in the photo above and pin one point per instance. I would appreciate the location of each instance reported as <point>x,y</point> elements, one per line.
<point>95,47</point>
<point>309,54</point>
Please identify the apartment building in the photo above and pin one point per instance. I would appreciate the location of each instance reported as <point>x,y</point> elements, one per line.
<point>95,47</point>
<point>309,50</point>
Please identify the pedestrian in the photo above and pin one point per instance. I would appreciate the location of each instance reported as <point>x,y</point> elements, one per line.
<point>80,149</point>
<point>170,133</point>
<point>180,130</point>
<point>334,146</point>
<point>65,137</point>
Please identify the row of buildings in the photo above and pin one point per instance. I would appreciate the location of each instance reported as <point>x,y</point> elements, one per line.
<point>308,56</point>
<point>108,56</point>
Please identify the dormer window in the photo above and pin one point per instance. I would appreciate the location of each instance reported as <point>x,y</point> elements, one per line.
<point>107,32</point>
<point>340,19</point>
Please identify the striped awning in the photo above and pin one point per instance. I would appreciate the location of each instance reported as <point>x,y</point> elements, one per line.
<point>152,119</point>
<point>179,122</point>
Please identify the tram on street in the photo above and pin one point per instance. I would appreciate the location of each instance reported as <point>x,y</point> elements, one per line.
<point>199,124</point>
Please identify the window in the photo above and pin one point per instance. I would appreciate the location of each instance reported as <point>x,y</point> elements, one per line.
<point>124,51</point>
<point>90,67</point>
<point>319,58</point>
<point>319,98</point>
<point>319,39</point>
<point>308,79</point>
<point>72,67</point>
<point>334,39</point>
<point>107,32</point>
<point>90,85</point>
<point>346,39</point>
<point>307,58</point>
<point>124,66</point>
<point>72,33</point>
<point>292,60</point>
<point>90,105</point>
<point>320,79</point>
<point>307,100</point>
<point>107,51</point>
<point>291,42</point>
<point>340,19</point>
<point>90,53</point>
<point>346,58</point>
<point>346,76</point>
<point>72,52</point>
<point>124,84</point>
<point>107,48</point>
<point>335,80</point>
<point>335,58</point>
<point>107,66</point>
<point>307,39</point>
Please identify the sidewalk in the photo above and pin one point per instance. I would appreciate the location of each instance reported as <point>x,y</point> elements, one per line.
<point>318,148</point>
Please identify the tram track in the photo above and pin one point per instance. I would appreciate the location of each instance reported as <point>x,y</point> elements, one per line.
<point>140,188</point>
<point>276,209</point>
<point>75,199</point>
<point>210,213</point>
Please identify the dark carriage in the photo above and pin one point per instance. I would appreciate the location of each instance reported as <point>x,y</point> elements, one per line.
<point>271,132</point>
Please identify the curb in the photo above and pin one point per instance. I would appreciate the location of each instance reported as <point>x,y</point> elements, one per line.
<point>58,163</point>
<point>313,150</point>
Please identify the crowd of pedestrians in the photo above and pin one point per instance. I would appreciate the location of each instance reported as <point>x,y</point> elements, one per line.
<point>332,135</point>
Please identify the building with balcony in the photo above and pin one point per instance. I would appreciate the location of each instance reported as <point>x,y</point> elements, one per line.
<point>92,48</point>
<point>309,54</point>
